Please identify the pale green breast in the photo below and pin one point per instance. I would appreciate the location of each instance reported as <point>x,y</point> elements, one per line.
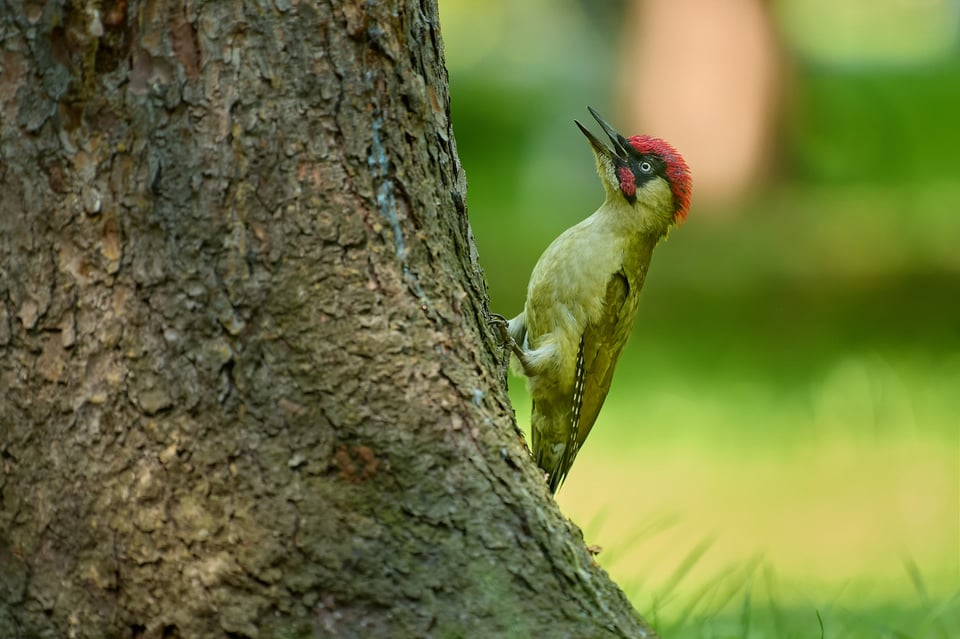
<point>568,287</point>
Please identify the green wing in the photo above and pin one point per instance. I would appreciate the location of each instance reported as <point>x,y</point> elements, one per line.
<point>600,348</point>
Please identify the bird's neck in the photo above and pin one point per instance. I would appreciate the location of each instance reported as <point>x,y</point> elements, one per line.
<point>638,222</point>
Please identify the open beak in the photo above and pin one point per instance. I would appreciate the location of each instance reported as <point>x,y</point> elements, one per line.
<point>620,144</point>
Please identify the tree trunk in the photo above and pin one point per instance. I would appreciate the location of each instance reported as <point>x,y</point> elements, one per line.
<point>247,386</point>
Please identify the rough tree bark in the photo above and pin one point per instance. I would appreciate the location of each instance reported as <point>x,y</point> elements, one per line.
<point>247,388</point>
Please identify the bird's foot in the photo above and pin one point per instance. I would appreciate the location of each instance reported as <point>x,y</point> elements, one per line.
<point>501,326</point>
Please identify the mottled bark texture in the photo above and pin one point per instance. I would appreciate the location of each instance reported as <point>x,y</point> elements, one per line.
<point>247,387</point>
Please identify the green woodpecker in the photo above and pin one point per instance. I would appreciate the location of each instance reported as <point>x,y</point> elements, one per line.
<point>583,293</point>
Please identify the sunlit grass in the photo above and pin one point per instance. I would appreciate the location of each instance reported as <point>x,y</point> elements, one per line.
<point>743,505</point>
<point>840,515</point>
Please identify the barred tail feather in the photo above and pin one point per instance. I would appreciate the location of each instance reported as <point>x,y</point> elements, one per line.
<point>551,446</point>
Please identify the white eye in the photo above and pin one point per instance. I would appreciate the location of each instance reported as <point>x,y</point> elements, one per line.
<point>645,167</point>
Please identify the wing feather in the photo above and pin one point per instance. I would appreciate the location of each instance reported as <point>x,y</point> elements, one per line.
<point>600,347</point>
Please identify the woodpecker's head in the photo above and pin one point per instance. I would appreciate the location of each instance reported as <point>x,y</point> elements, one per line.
<point>642,170</point>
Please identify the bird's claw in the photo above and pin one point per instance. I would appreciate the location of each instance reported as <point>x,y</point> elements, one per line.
<point>500,324</point>
<point>508,345</point>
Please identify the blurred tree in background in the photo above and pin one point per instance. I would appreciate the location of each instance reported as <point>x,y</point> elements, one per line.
<point>790,393</point>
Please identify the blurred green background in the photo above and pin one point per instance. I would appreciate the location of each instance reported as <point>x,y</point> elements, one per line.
<point>782,437</point>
